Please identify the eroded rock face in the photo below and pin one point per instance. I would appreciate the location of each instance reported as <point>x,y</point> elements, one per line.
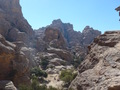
<point>12,22</point>
<point>63,54</point>
<point>15,33</point>
<point>54,38</point>
<point>100,69</point>
<point>14,65</point>
<point>7,85</point>
<point>7,54</point>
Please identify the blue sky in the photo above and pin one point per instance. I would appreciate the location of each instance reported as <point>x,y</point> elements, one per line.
<point>99,14</point>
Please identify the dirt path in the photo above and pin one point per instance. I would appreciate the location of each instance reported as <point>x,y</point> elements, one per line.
<point>54,81</point>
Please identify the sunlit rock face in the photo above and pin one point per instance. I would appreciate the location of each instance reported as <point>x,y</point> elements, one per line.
<point>100,69</point>
<point>13,26</point>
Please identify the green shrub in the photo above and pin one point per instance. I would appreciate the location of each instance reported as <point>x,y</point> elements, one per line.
<point>38,72</point>
<point>52,88</point>
<point>24,87</point>
<point>44,63</point>
<point>35,86</point>
<point>67,76</point>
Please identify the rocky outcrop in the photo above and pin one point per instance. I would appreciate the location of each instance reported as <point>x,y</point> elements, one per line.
<point>14,65</point>
<point>13,26</point>
<point>7,85</point>
<point>54,38</point>
<point>74,40</point>
<point>15,35</point>
<point>100,69</point>
<point>7,54</point>
<point>72,37</point>
<point>63,54</point>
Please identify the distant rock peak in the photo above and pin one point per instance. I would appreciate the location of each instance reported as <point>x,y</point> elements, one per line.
<point>57,21</point>
<point>73,38</point>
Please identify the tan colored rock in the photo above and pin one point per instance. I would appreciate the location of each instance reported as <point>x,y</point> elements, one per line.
<point>7,54</point>
<point>7,85</point>
<point>14,65</point>
<point>54,38</point>
<point>63,54</point>
<point>100,69</point>
<point>57,62</point>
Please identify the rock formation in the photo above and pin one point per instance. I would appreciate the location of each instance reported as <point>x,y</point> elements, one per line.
<point>21,48</point>
<point>54,38</point>
<point>7,85</point>
<point>76,41</point>
<point>15,36</point>
<point>100,69</point>
<point>13,26</point>
<point>14,65</point>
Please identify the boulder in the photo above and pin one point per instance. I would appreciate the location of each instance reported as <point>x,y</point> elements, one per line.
<point>7,85</point>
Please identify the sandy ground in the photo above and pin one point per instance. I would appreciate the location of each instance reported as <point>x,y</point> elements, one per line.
<point>54,81</point>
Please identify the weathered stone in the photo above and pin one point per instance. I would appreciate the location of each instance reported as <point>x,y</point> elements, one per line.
<point>63,54</point>
<point>7,85</point>
<point>100,69</point>
<point>73,39</point>
<point>13,63</point>
<point>12,22</point>
<point>54,38</point>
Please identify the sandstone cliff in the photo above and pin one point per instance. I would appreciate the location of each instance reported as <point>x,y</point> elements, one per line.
<point>100,69</point>
<point>15,36</point>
